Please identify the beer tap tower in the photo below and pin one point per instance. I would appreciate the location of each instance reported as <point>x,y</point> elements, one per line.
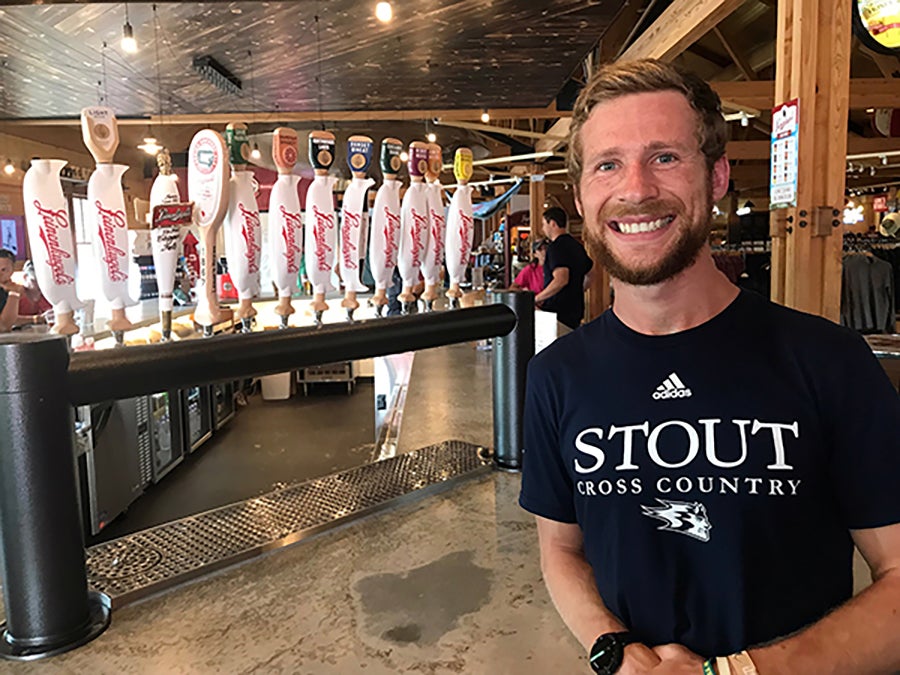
<point>285,221</point>
<point>413,224</point>
<point>243,243</point>
<point>460,225</point>
<point>106,213</point>
<point>359,157</point>
<point>432,263</point>
<point>208,190</point>
<point>385,230</point>
<point>321,234</point>
<point>52,245</point>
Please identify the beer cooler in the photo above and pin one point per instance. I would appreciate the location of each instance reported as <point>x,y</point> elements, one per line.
<point>166,435</point>
<point>222,403</point>
<point>196,406</point>
<point>113,456</point>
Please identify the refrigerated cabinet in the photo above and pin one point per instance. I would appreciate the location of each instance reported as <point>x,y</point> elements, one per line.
<point>198,416</point>
<point>166,435</point>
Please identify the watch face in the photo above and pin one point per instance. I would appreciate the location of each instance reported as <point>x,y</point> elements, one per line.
<point>606,654</point>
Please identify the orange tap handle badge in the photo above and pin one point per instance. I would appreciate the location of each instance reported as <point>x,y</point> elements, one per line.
<point>285,149</point>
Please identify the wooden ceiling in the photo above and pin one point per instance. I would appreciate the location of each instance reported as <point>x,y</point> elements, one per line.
<point>302,56</point>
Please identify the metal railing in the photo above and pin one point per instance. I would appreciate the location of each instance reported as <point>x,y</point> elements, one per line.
<point>49,609</point>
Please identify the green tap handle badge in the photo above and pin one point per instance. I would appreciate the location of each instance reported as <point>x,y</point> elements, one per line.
<point>238,143</point>
<point>390,156</point>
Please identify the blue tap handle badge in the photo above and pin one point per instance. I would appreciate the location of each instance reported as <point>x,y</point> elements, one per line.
<point>360,150</point>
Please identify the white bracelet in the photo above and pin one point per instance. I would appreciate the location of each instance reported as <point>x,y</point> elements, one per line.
<point>722,666</point>
<point>14,294</point>
<point>743,664</point>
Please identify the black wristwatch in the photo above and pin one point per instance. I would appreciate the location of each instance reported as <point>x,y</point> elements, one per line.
<point>608,652</point>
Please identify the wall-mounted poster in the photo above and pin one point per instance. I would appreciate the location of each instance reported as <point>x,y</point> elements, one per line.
<point>877,24</point>
<point>12,235</point>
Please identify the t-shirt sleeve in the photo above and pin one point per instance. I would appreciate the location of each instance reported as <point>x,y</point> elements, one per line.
<point>522,277</point>
<point>865,425</point>
<point>546,486</point>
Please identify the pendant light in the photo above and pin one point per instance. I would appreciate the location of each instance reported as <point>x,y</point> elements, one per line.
<point>129,44</point>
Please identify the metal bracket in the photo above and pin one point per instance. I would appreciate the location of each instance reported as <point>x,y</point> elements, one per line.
<point>778,224</point>
<point>824,221</point>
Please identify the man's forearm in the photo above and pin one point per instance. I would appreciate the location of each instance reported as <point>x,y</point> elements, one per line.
<point>554,287</point>
<point>9,314</point>
<point>570,580</point>
<point>859,638</point>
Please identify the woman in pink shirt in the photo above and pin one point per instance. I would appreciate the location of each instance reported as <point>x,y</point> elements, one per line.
<point>531,278</point>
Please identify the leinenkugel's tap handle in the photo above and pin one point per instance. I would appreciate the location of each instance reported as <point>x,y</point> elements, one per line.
<point>414,224</point>
<point>244,235</point>
<point>106,204</point>
<point>285,224</point>
<point>385,230</point>
<point>321,234</point>
<point>360,150</point>
<point>432,265</point>
<point>460,226</point>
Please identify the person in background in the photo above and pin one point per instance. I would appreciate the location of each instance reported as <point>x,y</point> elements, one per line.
<point>33,306</point>
<point>10,292</point>
<point>565,271</point>
<point>531,277</point>
<point>692,516</point>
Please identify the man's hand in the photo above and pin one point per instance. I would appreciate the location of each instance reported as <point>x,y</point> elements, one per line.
<point>13,287</point>
<point>639,660</point>
<point>677,660</point>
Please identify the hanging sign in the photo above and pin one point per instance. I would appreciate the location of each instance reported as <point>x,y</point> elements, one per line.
<point>877,24</point>
<point>784,155</point>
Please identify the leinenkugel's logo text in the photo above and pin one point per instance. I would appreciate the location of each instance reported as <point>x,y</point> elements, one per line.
<point>672,387</point>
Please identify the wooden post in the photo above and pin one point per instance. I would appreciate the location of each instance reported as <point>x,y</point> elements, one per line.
<point>599,289</point>
<point>536,195</point>
<point>813,65</point>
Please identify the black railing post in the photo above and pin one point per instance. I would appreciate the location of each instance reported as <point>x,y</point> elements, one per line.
<point>512,352</point>
<point>48,607</point>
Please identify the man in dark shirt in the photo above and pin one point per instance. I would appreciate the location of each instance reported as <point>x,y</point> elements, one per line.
<point>565,271</point>
<point>10,292</point>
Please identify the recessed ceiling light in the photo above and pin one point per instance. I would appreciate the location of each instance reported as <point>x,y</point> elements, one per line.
<point>384,12</point>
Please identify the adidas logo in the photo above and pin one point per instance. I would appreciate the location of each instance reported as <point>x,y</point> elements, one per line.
<point>672,387</point>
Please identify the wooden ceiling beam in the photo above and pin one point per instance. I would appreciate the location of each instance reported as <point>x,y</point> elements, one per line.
<point>864,93</point>
<point>738,58</point>
<point>678,27</point>
<point>760,149</point>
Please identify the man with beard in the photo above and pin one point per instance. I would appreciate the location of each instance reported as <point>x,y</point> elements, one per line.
<point>565,269</point>
<point>696,516</point>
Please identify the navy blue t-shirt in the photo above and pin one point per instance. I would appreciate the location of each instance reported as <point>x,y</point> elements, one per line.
<point>568,303</point>
<point>714,472</point>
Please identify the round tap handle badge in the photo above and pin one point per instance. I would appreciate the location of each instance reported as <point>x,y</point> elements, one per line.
<point>285,149</point>
<point>418,159</point>
<point>435,162</point>
<point>100,133</point>
<point>359,153</point>
<point>390,156</point>
<point>321,150</point>
<point>238,143</point>
<point>462,165</point>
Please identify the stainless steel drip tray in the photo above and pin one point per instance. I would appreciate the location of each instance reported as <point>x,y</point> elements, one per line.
<point>137,565</point>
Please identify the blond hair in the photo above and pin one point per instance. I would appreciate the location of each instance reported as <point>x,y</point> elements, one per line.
<point>648,75</point>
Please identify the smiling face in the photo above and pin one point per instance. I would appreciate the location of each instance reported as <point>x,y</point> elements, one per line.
<point>645,193</point>
<point>6,270</point>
